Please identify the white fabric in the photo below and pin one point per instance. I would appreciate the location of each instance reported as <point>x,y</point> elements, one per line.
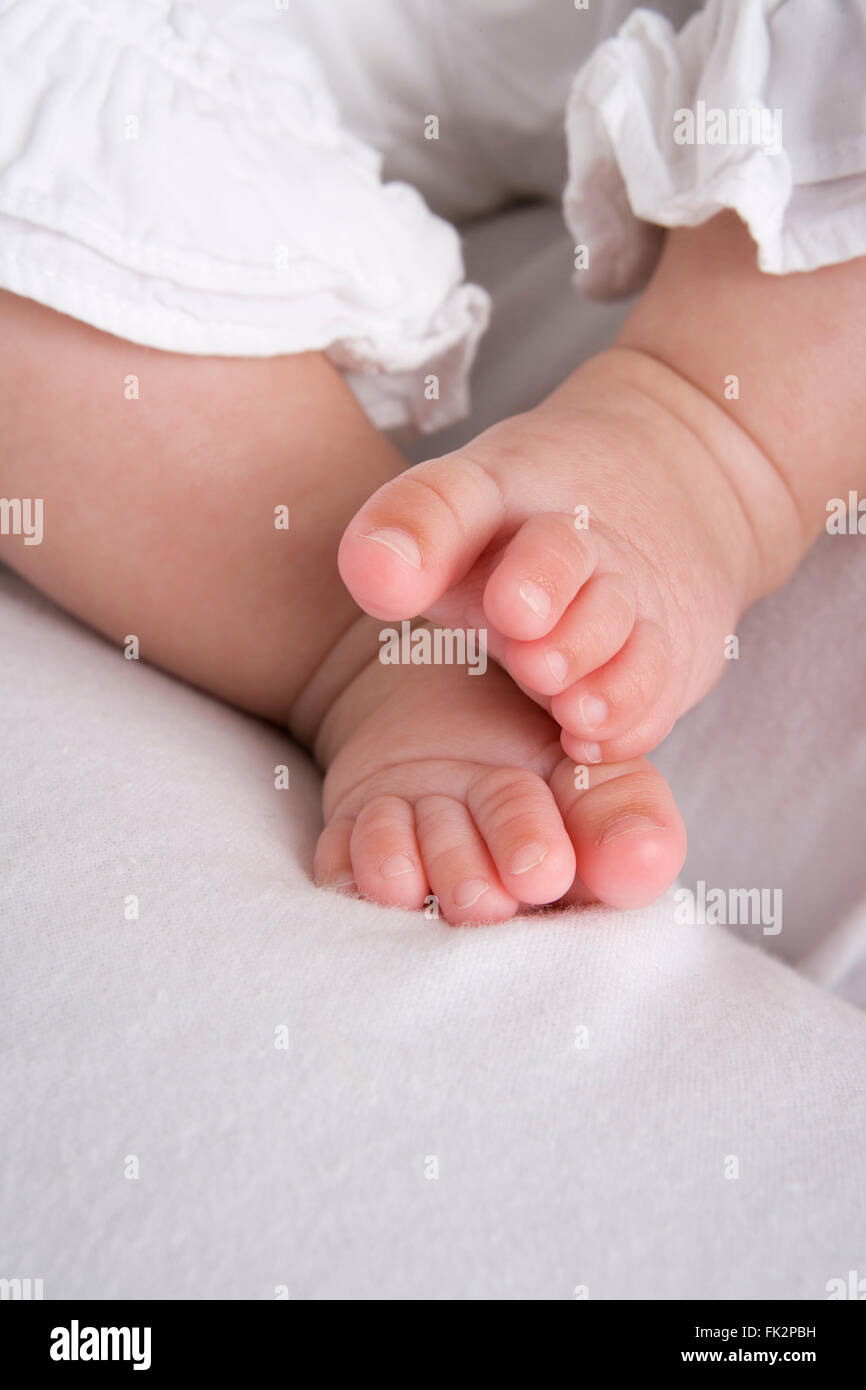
<point>802,192</point>
<point>560,1166</point>
<point>178,174</point>
<point>167,185</point>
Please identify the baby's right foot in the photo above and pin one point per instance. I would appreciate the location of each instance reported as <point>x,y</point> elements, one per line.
<point>454,785</point>
<point>599,540</point>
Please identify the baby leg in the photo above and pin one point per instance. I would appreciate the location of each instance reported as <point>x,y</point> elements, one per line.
<point>161,477</point>
<point>166,482</point>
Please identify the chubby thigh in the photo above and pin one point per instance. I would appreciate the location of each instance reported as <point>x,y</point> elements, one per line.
<point>192,503</point>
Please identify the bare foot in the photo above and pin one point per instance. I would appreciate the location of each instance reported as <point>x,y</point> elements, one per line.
<point>257,615</point>
<point>444,783</point>
<point>597,538</point>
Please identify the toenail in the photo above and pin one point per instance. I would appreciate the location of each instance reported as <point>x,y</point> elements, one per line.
<point>535,597</point>
<point>398,542</point>
<point>468,892</point>
<point>592,753</point>
<point>592,711</point>
<point>628,825</point>
<point>395,865</point>
<point>527,858</point>
<point>557,663</point>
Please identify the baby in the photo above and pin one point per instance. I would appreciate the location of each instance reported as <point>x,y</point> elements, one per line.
<point>608,541</point>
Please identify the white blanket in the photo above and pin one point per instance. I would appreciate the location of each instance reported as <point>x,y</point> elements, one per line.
<point>256,1087</point>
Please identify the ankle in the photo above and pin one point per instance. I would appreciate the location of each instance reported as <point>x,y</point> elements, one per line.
<point>751,501</point>
<point>312,710</point>
<point>744,495</point>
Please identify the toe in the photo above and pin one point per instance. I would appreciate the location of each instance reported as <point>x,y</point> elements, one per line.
<point>418,535</point>
<point>628,836</point>
<point>635,742</point>
<point>517,815</point>
<point>332,862</point>
<point>538,575</point>
<point>616,696</point>
<point>459,866</point>
<point>592,630</point>
<point>386,860</point>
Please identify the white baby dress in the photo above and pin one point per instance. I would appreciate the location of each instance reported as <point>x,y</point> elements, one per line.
<point>183,175</point>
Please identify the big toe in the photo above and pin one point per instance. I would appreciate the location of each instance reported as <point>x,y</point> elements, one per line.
<point>418,535</point>
<point>628,836</point>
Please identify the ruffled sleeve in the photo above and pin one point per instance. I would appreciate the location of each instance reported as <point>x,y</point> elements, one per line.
<point>755,105</point>
<point>166,185</point>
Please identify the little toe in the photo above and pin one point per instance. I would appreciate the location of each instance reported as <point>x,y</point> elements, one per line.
<point>332,862</point>
<point>628,836</point>
<point>617,695</point>
<point>636,742</point>
<point>517,815</point>
<point>386,860</point>
<point>539,573</point>
<point>459,866</point>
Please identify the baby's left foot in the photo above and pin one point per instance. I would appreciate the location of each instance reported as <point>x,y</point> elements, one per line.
<point>601,539</point>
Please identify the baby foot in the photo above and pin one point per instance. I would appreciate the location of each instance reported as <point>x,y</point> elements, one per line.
<point>596,537</point>
<point>445,784</point>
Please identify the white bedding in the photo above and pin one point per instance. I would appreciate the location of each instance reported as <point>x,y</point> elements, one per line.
<point>604,1167</point>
